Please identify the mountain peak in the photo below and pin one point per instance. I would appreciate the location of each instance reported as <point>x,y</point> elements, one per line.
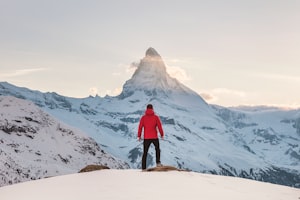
<point>151,75</point>
<point>152,52</point>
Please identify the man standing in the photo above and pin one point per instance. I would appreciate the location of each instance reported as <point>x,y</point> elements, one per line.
<point>150,122</point>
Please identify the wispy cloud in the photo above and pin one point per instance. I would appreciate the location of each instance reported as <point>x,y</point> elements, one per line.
<point>125,68</point>
<point>20,72</point>
<point>214,95</point>
<point>132,67</point>
<point>113,92</point>
<point>230,97</point>
<point>93,91</point>
<point>208,97</point>
<point>178,73</point>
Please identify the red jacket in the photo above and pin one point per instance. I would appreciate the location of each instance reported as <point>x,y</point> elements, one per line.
<point>149,122</point>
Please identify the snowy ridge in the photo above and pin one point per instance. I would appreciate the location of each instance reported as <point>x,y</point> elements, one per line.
<point>135,184</point>
<point>261,145</point>
<point>34,145</point>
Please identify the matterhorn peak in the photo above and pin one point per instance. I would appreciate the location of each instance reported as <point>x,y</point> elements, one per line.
<point>152,52</point>
<point>151,76</point>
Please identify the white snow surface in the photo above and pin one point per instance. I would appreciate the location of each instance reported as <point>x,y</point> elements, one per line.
<point>135,184</point>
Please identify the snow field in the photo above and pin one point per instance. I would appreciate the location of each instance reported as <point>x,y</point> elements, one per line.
<point>135,184</point>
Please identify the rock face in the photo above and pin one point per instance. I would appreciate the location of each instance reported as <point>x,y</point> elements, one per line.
<point>34,145</point>
<point>151,52</point>
<point>91,168</point>
<point>258,143</point>
<point>163,169</point>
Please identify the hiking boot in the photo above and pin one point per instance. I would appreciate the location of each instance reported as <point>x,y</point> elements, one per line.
<point>159,165</point>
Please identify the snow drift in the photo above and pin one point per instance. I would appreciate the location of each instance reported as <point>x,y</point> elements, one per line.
<point>135,184</point>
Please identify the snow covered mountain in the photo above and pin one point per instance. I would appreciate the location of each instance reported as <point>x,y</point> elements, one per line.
<point>261,145</point>
<point>136,184</point>
<point>151,75</point>
<point>34,145</point>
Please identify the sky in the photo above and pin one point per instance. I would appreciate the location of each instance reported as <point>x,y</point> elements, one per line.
<point>231,52</point>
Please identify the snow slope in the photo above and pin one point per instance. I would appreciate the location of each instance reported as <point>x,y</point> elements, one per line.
<point>261,144</point>
<point>34,145</point>
<point>135,184</point>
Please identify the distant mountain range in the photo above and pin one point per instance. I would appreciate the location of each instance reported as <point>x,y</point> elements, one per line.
<point>260,144</point>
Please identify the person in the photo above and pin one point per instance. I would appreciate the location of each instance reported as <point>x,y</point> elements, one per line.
<point>150,122</point>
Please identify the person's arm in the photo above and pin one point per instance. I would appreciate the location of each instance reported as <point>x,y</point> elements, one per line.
<point>159,125</point>
<point>140,129</point>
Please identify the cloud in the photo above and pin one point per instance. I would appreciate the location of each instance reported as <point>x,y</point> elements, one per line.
<point>128,69</point>
<point>229,97</point>
<point>93,91</point>
<point>21,72</point>
<point>178,73</point>
<point>224,95</point>
<point>132,67</point>
<point>114,92</point>
<point>208,97</point>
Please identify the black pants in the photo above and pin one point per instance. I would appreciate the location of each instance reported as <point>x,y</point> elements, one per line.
<point>147,143</point>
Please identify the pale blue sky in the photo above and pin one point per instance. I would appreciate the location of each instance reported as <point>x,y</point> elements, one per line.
<point>233,52</point>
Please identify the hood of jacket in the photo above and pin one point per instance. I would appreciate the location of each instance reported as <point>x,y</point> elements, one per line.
<point>149,112</point>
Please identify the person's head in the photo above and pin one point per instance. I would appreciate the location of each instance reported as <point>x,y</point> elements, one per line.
<point>149,106</point>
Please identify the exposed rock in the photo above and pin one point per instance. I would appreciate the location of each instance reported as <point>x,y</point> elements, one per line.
<point>164,169</point>
<point>91,168</point>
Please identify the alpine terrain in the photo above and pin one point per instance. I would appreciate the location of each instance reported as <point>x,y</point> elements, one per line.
<point>259,143</point>
<point>34,145</point>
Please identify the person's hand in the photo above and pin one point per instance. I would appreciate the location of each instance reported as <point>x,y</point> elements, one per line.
<point>162,137</point>
<point>139,139</point>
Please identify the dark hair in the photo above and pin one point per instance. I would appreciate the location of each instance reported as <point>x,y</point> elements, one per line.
<point>149,106</point>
